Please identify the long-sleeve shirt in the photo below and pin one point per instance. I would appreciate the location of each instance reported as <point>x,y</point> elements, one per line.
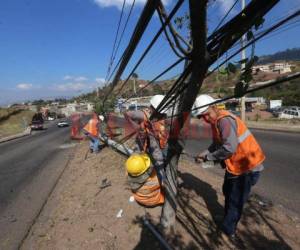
<point>228,133</point>
<point>135,118</point>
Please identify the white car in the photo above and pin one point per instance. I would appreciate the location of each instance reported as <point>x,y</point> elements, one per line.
<point>290,114</point>
<point>62,124</point>
<point>50,118</point>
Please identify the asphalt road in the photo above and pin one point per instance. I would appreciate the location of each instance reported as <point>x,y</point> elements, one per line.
<point>279,181</point>
<point>29,167</point>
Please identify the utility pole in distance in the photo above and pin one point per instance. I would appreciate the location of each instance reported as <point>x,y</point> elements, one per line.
<point>243,105</point>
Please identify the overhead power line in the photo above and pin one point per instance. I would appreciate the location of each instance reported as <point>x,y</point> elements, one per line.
<point>139,30</point>
<point>115,41</point>
<point>225,16</point>
<point>124,28</point>
<point>168,19</point>
<point>266,32</point>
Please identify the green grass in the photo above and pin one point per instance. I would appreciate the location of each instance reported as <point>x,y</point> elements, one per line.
<point>15,123</point>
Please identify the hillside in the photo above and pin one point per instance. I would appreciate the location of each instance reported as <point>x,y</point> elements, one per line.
<point>15,123</point>
<point>287,55</point>
<point>219,83</point>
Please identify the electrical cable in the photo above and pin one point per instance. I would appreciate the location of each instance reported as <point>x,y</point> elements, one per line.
<point>124,28</point>
<point>172,13</point>
<point>223,19</point>
<point>115,41</point>
<point>157,77</point>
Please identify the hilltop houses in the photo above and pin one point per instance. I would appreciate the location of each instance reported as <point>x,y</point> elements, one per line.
<point>276,67</point>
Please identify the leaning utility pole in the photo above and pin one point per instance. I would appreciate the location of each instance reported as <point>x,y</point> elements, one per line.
<point>186,100</point>
<point>243,43</point>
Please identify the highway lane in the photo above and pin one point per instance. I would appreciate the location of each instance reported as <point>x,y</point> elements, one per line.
<point>279,181</point>
<point>22,158</point>
<point>29,167</point>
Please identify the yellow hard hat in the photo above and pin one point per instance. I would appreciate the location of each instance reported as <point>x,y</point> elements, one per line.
<point>137,164</point>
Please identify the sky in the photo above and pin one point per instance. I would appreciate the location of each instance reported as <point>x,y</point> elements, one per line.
<point>62,48</point>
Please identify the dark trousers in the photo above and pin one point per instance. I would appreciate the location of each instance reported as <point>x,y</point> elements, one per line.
<point>236,189</point>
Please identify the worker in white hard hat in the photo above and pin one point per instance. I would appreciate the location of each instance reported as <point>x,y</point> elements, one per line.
<point>152,136</point>
<point>237,150</point>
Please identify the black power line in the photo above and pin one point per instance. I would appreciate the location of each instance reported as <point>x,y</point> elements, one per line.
<point>124,28</point>
<point>172,13</point>
<point>115,41</point>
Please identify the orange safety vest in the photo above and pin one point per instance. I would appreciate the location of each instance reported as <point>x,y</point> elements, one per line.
<point>158,128</point>
<point>92,127</point>
<point>150,194</point>
<point>248,154</point>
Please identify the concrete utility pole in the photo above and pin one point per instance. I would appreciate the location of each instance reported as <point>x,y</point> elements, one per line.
<point>243,41</point>
<point>134,88</point>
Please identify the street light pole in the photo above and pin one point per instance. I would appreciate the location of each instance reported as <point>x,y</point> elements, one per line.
<point>243,41</point>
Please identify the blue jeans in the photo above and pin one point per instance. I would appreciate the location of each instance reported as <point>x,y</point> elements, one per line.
<point>94,144</point>
<point>236,189</point>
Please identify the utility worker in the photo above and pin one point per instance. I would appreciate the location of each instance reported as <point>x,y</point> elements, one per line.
<point>235,147</point>
<point>143,180</point>
<point>91,130</point>
<point>152,136</point>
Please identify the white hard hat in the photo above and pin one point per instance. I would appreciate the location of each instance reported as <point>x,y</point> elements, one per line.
<point>101,117</point>
<point>202,100</point>
<point>156,100</point>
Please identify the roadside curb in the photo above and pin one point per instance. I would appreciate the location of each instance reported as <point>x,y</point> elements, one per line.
<point>268,127</point>
<point>12,137</point>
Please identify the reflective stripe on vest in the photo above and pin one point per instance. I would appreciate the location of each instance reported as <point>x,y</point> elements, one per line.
<point>244,136</point>
<point>248,154</point>
<point>150,193</point>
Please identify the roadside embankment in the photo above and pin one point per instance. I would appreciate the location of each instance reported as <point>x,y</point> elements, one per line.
<point>81,215</point>
<point>15,123</point>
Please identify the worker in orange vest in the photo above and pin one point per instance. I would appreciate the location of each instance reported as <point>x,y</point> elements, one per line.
<point>152,136</point>
<point>91,130</point>
<point>143,180</point>
<point>235,147</point>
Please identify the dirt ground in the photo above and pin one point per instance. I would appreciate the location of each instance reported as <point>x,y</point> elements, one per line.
<point>78,215</point>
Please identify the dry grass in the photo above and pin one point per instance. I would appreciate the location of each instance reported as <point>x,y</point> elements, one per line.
<point>15,123</point>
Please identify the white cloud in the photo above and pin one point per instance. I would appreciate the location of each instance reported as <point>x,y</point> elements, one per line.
<point>67,77</point>
<point>119,3</point>
<point>24,86</point>
<point>75,78</point>
<point>74,86</point>
<point>225,5</point>
<point>100,80</point>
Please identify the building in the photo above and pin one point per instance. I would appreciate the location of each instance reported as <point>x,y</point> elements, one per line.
<point>72,108</point>
<point>136,103</point>
<point>277,67</point>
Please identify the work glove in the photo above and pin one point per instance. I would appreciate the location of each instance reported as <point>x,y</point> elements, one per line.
<point>202,157</point>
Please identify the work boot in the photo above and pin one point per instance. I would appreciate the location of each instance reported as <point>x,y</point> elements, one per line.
<point>232,239</point>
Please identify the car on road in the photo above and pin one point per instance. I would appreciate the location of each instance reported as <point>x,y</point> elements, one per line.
<point>290,114</point>
<point>37,125</point>
<point>62,124</point>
